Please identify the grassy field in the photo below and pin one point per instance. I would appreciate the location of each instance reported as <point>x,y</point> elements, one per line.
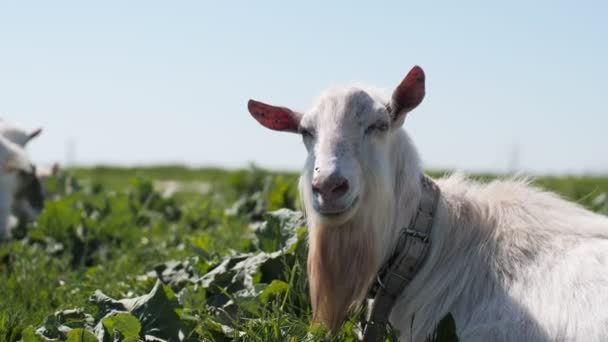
<point>175,254</point>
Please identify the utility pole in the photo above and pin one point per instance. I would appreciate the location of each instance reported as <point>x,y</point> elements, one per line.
<point>70,152</point>
<point>514,159</point>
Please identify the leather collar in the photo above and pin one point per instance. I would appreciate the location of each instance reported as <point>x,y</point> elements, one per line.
<point>410,253</point>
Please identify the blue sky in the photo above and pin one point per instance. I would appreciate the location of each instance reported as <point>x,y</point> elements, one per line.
<point>519,84</point>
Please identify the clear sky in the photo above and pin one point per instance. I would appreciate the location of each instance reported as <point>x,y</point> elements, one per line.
<point>522,84</point>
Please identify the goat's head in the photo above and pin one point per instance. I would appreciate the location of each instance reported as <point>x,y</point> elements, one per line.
<point>16,134</point>
<point>346,185</point>
<point>346,133</point>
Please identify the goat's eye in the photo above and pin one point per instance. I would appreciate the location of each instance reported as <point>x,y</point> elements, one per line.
<point>379,126</point>
<point>305,133</point>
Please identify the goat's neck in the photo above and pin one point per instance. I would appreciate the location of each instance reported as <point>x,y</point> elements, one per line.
<point>406,175</point>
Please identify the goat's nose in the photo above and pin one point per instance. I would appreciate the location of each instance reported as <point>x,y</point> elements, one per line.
<point>332,187</point>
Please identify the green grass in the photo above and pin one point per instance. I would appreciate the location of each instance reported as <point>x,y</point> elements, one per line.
<point>107,229</point>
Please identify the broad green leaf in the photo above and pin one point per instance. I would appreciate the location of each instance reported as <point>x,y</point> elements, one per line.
<point>279,231</point>
<point>81,335</point>
<point>29,335</point>
<point>57,325</point>
<point>156,311</point>
<point>124,323</point>
<point>175,273</point>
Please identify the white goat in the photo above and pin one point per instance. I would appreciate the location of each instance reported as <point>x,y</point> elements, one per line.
<point>15,171</point>
<point>20,187</point>
<point>510,262</point>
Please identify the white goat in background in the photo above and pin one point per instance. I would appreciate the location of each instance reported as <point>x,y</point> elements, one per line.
<point>20,189</point>
<point>15,179</point>
<point>509,261</point>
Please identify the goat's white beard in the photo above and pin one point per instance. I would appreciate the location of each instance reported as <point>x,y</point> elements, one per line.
<point>344,259</point>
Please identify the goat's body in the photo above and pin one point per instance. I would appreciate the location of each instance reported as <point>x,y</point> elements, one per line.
<point>510,263</point>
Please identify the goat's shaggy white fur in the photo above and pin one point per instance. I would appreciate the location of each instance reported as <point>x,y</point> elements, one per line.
<point>509,261</point>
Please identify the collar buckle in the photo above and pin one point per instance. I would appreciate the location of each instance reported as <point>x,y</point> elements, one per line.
<point>423,237</point>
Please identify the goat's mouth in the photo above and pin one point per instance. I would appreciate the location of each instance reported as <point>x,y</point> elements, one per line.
<point>335,211</point>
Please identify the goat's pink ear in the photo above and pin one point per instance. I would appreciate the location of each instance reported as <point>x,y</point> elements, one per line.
<point>276,118</point>
<point>408,95</point>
